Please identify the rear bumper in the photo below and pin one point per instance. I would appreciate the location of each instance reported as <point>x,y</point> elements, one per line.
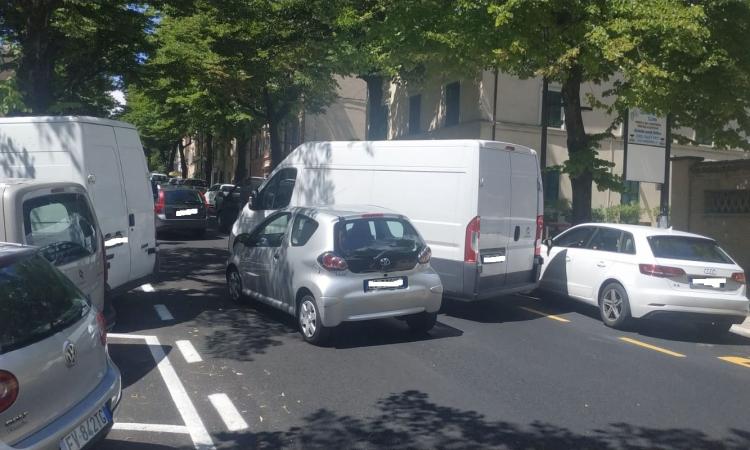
<point>181,224</point>
<point>666,302</point>
<point>476,287</point>
<point>108,393</point>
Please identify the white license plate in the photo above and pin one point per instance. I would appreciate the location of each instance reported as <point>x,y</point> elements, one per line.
<point>715,283</point>
<point>385,283</point>
<point>85,431</point>
<point>186,212</point>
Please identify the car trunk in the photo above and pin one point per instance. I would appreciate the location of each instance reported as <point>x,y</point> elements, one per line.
<point>378,245</point>
<point>184,205</point>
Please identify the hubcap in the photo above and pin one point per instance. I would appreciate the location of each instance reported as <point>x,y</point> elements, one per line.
<point>612,304</point>
<point>308,318</point>
<point>235,285</point>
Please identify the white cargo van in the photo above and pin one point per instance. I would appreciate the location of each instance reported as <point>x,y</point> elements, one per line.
<point>478,204</point>
<point>106,157</point>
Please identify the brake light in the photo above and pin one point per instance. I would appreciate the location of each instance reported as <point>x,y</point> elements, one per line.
<point>538,239</point>
<point>332,261</point>
<point>369,215</point>
<point>471,245</point>
<point>160,203</point>
<point>102,322</point>
<point>425,255</point>
<point>8,390</point>
<point>739,277</point>
<point>660,271</point>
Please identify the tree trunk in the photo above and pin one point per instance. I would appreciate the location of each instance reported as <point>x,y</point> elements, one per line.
<point>578,147</point>
<point>209,154</point>
<point>37,65</point>
<point>183,162</point>
<point>172,155</point>
<point>240,172</point>
<point>274,117</point>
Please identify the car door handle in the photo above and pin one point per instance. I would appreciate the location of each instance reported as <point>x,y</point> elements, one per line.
<point>601,264</point>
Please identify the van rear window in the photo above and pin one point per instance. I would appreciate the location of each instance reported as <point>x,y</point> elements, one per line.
<point>36,301</point>
<point>688,248</point>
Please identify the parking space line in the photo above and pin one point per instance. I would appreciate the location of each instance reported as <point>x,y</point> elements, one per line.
<point>147,288</point>
<point>156,428</point>
<point>163,312</point>
<point>739,360</point>
<point>652,347</point>
<point>229,414</point>
<point>543,314</point>
<point>188,351</point>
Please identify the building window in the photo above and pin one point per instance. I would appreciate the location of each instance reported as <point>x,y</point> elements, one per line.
<point>727,202</point>
<point>415,114</point>
<point>551,185</point>
<point>631,194</point>
<point>555,112</point>
<point>378,129</point>
<point>452,103</point>
<point>704,137</point>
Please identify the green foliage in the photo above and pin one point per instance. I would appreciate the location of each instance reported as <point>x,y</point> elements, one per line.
<point>630,214</point>
<point>11,101</point>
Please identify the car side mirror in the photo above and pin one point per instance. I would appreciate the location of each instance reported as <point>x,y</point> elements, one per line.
<point>547,243</point>
<point>252,200</point>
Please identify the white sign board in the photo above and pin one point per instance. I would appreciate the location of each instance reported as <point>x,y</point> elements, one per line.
<point>645,163</point>
<point>646,129</point>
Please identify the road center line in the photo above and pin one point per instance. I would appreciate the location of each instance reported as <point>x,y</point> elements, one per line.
<point>163,312</point>
<point>739,360</point>
<point>156,428</point>
<point>229,414</point>
<point>188,351</point>
<point>652,347</point>
<point>543,314</point>
<point>147,288</point>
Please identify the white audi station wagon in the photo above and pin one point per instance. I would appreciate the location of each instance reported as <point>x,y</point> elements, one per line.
<point>632,271</point>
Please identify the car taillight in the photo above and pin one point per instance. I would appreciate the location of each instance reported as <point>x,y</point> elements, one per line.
<point>739,277</point>
<point>160,203</point>
<point>538,239</point>
<point>8,390</point>
<point>102,322</point>
<point>471,245</point>
<point>331,261</point>
<point>425,255</point>
<point>660,271</point>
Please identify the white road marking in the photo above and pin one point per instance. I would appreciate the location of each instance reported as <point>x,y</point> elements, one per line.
<point>193,423</point>
<point>156,428</point>
<point>229,414</point>
<point>188,351</point>
<point>147,288</point>
<point>163,312</point>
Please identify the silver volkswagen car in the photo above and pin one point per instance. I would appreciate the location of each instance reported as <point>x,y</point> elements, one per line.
<point>327,266</point>
<point>58,386</point>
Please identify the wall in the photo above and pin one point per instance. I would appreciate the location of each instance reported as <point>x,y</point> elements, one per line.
<point>728,225</point>
<point>344,119</point>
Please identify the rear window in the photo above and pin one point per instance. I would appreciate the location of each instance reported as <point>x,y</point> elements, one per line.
<point>182,197</point>
<point>364,243</point>
<point>36,301</point>
<point>62,225</point>
<point>687,248</point>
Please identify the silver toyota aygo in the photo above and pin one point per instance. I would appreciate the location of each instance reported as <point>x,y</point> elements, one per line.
<point>330,265</point>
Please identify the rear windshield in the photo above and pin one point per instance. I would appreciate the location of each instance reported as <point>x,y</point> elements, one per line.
<point>376,234</point>
<point>36,301</point>
<point>182,197</point>
<point>688,248</point>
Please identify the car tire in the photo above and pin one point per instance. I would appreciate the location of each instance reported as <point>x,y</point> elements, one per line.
<point>310,325</point>
<point>614,306</point>
<point>234,287</point>
<point>421,322</point>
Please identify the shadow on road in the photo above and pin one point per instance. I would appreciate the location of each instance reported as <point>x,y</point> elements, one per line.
<point>410,420</point>
<point>385,332</point>
<point>136,357</point>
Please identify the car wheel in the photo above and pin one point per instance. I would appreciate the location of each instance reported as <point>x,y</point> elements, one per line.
<point>234,286</point>
<point>310,325</point>
<point>614,306</point>
<point>421,322</point>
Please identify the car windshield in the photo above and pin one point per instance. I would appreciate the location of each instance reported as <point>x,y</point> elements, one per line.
<point>688,248</point>
<point>182,197</point>
<point>36,301</point>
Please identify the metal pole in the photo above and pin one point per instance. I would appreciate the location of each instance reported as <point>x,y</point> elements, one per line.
<point>625,146</point>
<point>664,203</point>
<point>494,105</point>
<point>545,121</point>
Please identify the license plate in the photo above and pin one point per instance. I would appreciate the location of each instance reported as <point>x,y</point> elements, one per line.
<point>85,431</point>
<point>186,212</point>
<point>716,283</point>
<point>386,283</point>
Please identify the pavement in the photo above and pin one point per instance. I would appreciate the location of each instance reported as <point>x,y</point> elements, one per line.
<point>200,372</point>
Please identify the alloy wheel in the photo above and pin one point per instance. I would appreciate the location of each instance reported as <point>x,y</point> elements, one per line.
<point>612,303</point>
<point>235,285</point>
<point>308,318</point>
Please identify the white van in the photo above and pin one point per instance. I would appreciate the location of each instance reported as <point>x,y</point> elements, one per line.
<point>478,204</point>
<point>106,157</point>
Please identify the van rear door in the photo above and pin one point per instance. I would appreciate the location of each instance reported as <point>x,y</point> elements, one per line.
<point>524,207</point>
<point>494,212</point>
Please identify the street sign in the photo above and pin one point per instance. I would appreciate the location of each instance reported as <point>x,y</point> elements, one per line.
<point>646,129</point>
<point>646,147</point>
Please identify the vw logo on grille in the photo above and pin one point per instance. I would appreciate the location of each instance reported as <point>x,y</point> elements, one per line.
<point>385,262</point>
<point>69,352</point>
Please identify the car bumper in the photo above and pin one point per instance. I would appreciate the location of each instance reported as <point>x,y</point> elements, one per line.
<point>424,294</point>
<point>656,302</point>
<point>181,224</point>
<point>108,393</point>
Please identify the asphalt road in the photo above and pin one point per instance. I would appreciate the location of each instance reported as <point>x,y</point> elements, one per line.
<point>498,374</point>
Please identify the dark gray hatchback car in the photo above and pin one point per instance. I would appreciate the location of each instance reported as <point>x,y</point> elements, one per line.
<point>181,208</point>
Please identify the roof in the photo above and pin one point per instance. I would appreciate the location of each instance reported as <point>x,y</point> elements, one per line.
<point>9,252</point>
<point>6,182</point>
<point>338,211</point>
<point>644,230</point>
<point>70,119</point>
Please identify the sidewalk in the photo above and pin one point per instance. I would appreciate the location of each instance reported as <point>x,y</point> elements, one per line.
<point>742,329</point>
